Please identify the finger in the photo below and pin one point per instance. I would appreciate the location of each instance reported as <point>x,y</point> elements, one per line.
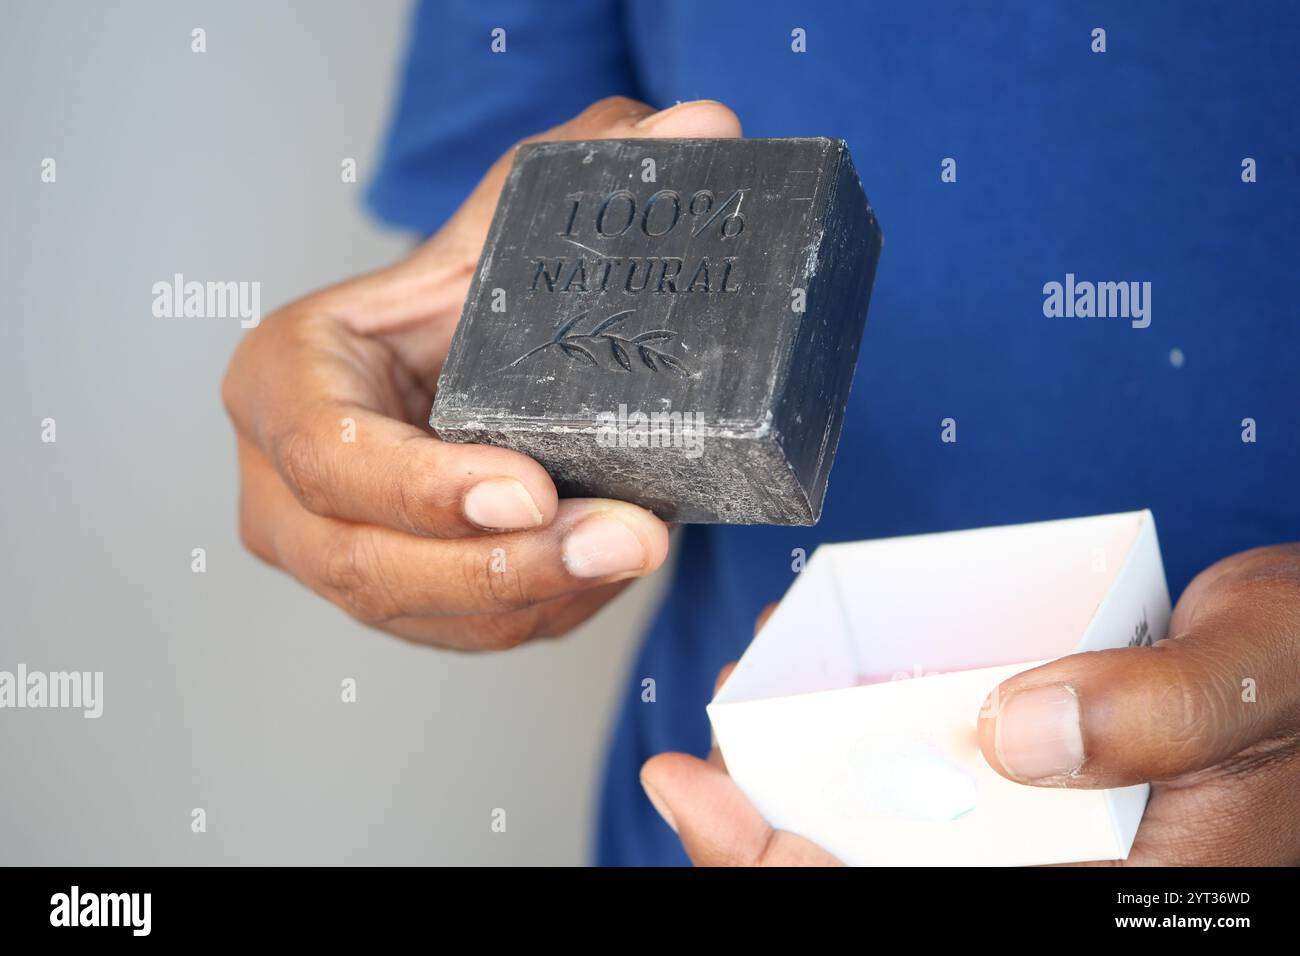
<point>379,575</point>
<point>717,825</point>
<point>615,117</point>
<point>763,616</point>
<point>506,629</point>
<point>1223,683</point>
<point>334,437</point>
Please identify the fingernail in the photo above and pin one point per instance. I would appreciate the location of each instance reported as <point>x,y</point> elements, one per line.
<point>657,802</point>
<point>601,546</point>
<point>501,504</point>
<point>1038,733</point>
<point>648,122</point>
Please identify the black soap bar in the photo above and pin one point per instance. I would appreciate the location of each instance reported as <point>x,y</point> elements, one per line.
<point>673,323</point>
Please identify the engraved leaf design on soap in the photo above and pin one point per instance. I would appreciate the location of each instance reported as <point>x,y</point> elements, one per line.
<point>577,351</point>
<point>673,363</point>
<point>567,327</point>
<point>610,322</point>
<point>568,339</point>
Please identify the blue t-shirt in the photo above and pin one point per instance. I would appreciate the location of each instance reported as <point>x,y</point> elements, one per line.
<point>1122,165</point>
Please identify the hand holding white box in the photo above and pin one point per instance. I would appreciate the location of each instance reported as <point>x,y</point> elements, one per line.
<point>851,719</point>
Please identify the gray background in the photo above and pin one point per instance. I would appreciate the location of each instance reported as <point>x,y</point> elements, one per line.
<point>222,689</point>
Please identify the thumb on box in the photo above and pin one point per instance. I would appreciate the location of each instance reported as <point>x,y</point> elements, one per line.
<point>1133,715</point>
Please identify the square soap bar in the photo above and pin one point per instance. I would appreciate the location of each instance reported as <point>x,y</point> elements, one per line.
<point>673,323</point>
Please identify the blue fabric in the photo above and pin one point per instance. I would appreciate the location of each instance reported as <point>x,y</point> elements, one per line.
<point>1117,166</point>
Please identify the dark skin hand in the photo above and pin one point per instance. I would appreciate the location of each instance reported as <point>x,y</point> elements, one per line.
<point>343,486</point>
<point>1210,716</point>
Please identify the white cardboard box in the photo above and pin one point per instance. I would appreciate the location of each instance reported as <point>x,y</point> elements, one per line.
<point>851,718</point>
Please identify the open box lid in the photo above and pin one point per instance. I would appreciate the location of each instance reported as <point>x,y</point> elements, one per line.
<point>871,611</point>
